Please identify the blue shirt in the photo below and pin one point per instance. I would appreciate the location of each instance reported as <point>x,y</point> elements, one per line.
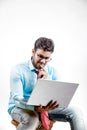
<point>22,81</point>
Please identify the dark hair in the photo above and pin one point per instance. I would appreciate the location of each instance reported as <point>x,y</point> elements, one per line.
<point>44,43</point>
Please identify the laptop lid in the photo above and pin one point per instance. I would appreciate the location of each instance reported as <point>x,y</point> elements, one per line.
<point>46,90</point>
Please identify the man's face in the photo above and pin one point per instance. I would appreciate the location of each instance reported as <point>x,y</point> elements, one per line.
<point>40,58</point>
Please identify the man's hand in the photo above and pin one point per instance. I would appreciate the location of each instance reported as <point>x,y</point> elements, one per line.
<point>50,106</point>
<point>42,74</point>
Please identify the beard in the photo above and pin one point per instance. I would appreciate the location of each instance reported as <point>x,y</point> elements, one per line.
<point>37,64</point>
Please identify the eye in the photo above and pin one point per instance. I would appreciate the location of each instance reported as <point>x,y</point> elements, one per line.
<point>42,57</point>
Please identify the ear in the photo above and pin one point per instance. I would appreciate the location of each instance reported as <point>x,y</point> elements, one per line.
<point>33,51</point>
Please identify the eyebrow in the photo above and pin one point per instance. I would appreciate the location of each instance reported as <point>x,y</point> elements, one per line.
<point>43,56</point>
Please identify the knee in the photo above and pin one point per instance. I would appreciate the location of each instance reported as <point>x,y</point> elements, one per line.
<point>74,112</point>
<point>25,119</point>
<point>29,119</point>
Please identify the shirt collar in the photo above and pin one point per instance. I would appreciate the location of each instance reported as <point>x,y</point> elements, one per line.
<point>31,65</point>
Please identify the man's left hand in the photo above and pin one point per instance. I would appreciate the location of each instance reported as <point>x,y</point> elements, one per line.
<point>50,106</point>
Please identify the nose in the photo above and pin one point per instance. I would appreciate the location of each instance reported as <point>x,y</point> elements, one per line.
<point>43,60</point>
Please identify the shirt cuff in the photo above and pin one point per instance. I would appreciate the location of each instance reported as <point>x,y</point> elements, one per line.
<point>24,106</point>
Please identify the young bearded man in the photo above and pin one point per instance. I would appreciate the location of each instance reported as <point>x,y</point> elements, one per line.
<point>22,82</point>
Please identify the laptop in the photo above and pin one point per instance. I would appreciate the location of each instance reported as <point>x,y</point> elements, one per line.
<point>46,90</point>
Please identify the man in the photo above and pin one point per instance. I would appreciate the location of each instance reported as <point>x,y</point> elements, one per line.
<point>22,81</point>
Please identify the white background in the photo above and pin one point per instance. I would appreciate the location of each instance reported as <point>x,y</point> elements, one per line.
<point>22,22</point>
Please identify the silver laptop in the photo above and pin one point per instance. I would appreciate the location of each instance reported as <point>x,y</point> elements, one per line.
<point>46,90</point>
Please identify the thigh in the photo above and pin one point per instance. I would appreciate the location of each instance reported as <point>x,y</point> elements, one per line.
<point>22,115</point>
<point>28,120</point>
<point>61,114</point>
<point>71,114</point>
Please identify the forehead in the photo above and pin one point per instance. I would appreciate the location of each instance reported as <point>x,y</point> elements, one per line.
<point>44,53</point>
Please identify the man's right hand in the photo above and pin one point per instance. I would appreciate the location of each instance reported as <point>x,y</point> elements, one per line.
<point>42,74</point>
<point>50,106</point>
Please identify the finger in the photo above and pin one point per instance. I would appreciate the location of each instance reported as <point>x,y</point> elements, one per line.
<point>50,102</point>
<point>54,107</point>
<point>49,105</point>
<point>42,72</point>
<point>40,106</point>
<point>53,103</point>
